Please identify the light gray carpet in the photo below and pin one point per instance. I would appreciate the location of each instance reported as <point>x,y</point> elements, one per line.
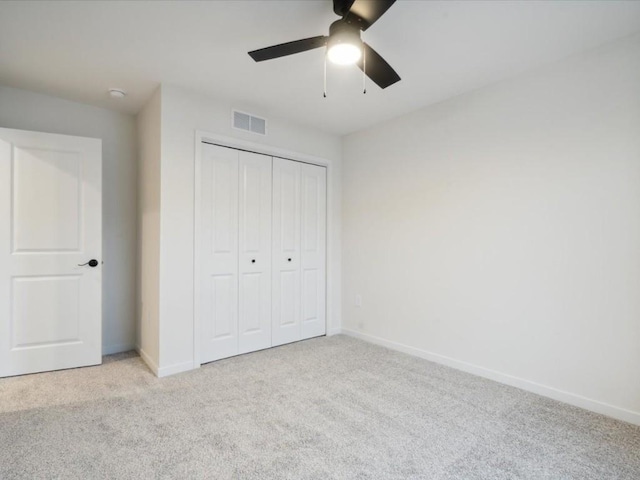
<point>328,408</point>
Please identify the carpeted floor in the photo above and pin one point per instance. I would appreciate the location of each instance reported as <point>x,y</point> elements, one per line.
<point>328,408</point>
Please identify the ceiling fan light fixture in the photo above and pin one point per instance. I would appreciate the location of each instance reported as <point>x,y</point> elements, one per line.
<point>344,46</point>
<point>344,53</point>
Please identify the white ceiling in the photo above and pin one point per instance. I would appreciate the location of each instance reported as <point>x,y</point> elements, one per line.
<point>78,50</point>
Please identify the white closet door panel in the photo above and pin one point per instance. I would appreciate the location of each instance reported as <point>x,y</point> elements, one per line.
<point>313,182</point>
<point>255,252</point>
<point>286,252</point>
<point>219,252</point>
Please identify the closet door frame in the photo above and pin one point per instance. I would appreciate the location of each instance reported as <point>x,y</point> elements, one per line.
<point>262,149</point>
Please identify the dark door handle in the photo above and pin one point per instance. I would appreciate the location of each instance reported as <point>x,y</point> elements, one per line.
<point>253,260</point>
<point>92,263</point>
<point>288,259</point>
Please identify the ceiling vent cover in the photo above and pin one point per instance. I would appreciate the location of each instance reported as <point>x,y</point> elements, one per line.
<point>249,123</point>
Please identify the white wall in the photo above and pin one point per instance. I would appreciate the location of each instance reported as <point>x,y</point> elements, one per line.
<point>148,308</point>
<point>499,232</point>
<point>25,110</point>
<point>182,114</point>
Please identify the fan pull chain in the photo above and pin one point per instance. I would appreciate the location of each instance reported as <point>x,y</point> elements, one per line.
<point>364,70</point>
<point>324,94</point>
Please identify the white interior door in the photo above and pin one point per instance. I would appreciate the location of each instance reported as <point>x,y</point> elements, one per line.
<point>313,187</point>
<point>219,253</point>
<point>286,252</point>
<point>50,222</point>
<point>255,252</point>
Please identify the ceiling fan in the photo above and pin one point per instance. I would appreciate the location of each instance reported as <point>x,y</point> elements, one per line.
<point>344,45</point>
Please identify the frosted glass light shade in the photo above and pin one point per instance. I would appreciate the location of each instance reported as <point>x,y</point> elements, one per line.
<point>344,53</point>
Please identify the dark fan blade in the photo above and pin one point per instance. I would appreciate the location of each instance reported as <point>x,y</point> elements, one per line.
<point>365,13</point>
<point>341,7</point>
<point>377,69</point>
<point>288,48</point>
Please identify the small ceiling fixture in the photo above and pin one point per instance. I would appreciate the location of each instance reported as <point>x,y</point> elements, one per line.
<point>344,45</point>
<point>117,93</point>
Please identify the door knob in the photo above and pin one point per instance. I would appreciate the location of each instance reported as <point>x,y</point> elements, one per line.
<point>253,260</point>
<point>288,259</point>
<point>92,263</point>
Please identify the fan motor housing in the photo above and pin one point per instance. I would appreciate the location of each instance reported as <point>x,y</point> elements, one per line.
<point>343,32</point>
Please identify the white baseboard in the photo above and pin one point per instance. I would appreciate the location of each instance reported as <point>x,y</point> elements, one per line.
<point>147,359</point>
<point>550,392</point>
<point>123,347</point>
<point>164,371</point>
<point>333,331</point>
<point>173,369</point>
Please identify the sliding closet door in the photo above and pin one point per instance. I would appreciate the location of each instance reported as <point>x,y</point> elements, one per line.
<point>219,252</point>
<point>286,252</point>
<point>255,252</point>
<point>313,252</point>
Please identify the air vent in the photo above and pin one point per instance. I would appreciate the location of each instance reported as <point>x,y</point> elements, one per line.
<point>249,123</point>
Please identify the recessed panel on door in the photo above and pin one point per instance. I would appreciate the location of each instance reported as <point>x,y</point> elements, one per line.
<point>223,305</point>
<point>255,252</point>
<point>38,317</point>
<point>50,227</point>
<point>223,179</point>
<point>286,252</point>
<point>288,288</point>
<point>219,253</point>
<point>47,184</point>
